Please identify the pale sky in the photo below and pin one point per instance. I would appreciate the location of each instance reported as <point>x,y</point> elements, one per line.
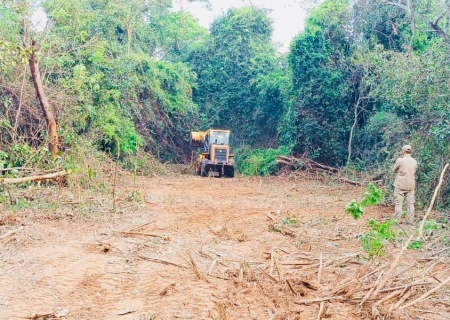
<point>288,16</point>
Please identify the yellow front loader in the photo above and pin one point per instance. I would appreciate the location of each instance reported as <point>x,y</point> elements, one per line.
<point>214,154</point>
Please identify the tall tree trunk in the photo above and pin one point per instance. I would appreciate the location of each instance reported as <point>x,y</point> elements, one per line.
<point>356,111</point>
<point>352,130</point>
<point>43,101</point>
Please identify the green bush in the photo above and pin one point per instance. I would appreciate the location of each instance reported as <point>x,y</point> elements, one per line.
<point>381,232</point>
<point>354,209</point>
<point>372,196</point>
<point>258,162</point>
<point>22,155</point>
<point>374,240</point>
<point>118,132</point>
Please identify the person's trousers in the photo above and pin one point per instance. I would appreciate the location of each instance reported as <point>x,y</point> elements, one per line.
<point>399,197</point>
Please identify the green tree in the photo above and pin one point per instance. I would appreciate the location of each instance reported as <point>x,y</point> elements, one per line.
<point>18,16</point>
<point>406,85</point>
<point>178,35</point>
<point>240,83</point>
<point>318,118</point>
<point>121,90</point>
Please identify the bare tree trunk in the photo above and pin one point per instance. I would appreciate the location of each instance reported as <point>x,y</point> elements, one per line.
<point>352,130</point>
<point>409,11</point>
<point>43,101</point>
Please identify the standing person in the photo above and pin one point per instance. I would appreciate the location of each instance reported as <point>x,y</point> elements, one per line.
<point>405,183</point>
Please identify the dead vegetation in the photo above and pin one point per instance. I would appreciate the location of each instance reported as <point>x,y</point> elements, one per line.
<point>184,247</point>
<point>317,170</point>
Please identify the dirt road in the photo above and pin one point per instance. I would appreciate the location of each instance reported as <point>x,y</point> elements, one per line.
<point>181,247</point>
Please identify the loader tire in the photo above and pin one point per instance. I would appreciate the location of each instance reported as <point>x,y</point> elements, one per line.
<point>230,172</point>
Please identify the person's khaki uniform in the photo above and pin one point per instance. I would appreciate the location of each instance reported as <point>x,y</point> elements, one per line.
<point>404,185</point>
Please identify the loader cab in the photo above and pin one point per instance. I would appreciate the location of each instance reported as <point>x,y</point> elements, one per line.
<point>216,137</point>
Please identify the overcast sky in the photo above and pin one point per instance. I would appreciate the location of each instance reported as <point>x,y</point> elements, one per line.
<point>288,16</point>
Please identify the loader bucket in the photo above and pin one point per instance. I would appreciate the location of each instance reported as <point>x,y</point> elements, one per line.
<point>197,138</point>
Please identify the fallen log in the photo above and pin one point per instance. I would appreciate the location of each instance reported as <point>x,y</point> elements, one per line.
<point>356,183</point>
<point>313,166</point>
<point>33,178</point>
<point>305,162</point>
<point>281,161</point>
<point>323,166</point>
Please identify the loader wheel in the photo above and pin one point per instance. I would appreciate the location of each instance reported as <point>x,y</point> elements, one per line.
<point>230,172</point>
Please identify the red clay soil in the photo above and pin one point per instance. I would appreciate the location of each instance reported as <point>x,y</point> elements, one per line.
<point>185,247</point>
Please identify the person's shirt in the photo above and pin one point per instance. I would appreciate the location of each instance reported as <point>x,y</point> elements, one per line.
<point>406,169</point>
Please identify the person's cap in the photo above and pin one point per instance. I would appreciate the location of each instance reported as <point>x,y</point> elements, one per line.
<point>406,147</point>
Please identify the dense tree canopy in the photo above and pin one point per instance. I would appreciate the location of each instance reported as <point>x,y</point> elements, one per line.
<point>239,79</point>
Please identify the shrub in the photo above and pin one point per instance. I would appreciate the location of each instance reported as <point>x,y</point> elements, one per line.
<point>380,232</point>
<point>372,196</point>
<point>258,162</point>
